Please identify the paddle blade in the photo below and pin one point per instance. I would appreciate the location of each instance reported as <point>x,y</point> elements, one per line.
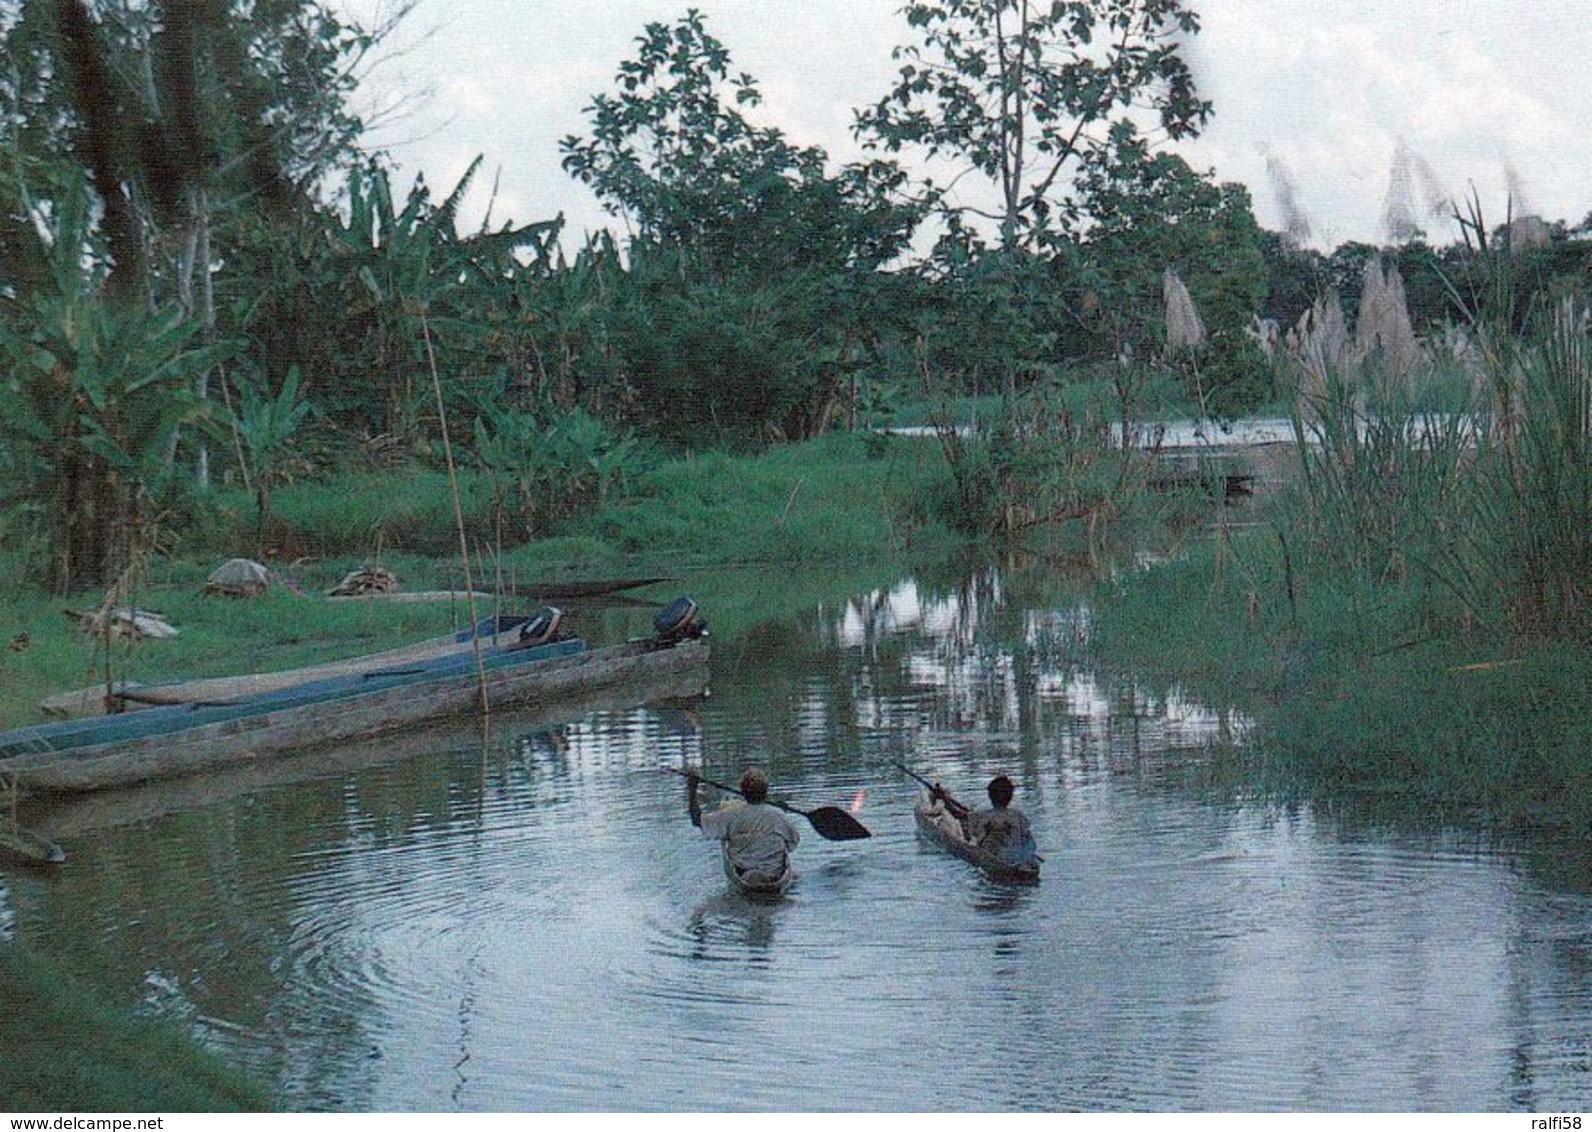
<point>835,824</point>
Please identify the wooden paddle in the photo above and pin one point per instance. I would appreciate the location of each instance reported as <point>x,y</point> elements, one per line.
<point>831,822</point>
<point>956,809</point>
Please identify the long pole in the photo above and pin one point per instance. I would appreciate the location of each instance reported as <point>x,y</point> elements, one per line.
<point>458,519</point>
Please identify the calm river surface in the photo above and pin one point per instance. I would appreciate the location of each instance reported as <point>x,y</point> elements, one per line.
<point>533,924</point>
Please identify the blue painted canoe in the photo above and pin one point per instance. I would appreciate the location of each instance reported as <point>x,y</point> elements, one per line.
<point>126,696</point>
<point>118,750</point>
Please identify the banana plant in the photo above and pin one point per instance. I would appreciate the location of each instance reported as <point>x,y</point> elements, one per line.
<point>265,426</point>
<point>95,391</point>
<point>405,264</point>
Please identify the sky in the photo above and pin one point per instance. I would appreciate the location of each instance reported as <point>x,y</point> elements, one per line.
<point>1314,100</point>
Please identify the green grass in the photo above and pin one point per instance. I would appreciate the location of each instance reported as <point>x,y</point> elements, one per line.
<point>842,497</point>
<point>362,514</point>
<point>842,500</point>
<point>711,506</point>
<point>1362,689</point>
<point>218,636</point>
<point>61,1050</point>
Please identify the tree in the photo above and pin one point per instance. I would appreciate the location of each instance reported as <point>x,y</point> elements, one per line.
<point>397,274</point>
<point>1296,279</point>
<point>1030,97</point>
<point>752,269</point>
<point>159,104</point>
<point>181,116</point>
<point>1028,94</point>
<point>95,387</point>
<point>1152,213</point>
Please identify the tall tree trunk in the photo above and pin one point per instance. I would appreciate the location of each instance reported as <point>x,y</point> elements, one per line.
<point>207,308</point>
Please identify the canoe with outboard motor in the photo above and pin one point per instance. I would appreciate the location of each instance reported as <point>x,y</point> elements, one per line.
<point>120,750</point>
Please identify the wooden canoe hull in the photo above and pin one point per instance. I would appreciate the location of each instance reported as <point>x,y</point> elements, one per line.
<point>133,696</point>
<point>63,817</point>
<point>761,887</point>
<point>265,726</point>
<point>934,825</point>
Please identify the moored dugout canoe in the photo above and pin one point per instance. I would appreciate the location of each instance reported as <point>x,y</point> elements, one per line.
<point>133,696</point>
<point>937,824</point>
<point>122,750</point>
<point>63,817</point>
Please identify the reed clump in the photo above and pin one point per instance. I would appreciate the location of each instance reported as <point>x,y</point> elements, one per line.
<point>1492,506</point>
<point>1414,622</point>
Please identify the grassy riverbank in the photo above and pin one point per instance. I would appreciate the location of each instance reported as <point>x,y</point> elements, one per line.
<point>64,1051</point>
<point>1356,688</point>
<point>1357,691</point>
<point>841,503</point>
<point>844,505</point>
<point>1383,687</point>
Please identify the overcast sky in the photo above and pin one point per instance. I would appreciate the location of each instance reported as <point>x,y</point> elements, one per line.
<point>1486,94</point>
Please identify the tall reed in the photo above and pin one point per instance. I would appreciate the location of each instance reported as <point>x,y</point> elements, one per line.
<point>1381,484</point>
<point>1538,497</point>
<point>1491,507</point>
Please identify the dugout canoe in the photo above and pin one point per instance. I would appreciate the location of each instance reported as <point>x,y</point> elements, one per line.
<point>511,738</point>
<point>103,752</point>
<point>127,695</point>
<point>758,886</point>
<point>937,825</point>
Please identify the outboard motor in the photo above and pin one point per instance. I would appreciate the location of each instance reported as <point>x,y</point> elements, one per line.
<point>542,628</point>
<point>678,621</point>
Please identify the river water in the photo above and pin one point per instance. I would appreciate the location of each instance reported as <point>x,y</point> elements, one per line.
<point>529,922</point>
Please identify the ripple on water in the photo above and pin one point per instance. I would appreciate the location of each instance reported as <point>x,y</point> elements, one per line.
<point>536,926</point>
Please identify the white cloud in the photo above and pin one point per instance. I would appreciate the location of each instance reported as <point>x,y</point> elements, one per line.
<point>1330,87</point>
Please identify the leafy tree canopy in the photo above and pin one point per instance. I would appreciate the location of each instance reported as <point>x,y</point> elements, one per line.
<point>672,153</point>
<point>1030,94</point>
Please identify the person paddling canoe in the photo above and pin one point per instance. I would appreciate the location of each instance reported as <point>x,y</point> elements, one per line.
<point>757,837</point>
<point>1002,829</point>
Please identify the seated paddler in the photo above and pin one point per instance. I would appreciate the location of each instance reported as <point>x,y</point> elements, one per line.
<point>757,837</point>
<point>1003,828</point>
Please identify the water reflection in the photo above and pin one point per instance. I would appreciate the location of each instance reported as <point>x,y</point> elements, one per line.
<point>530,921</point>
<point>732,926</point>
